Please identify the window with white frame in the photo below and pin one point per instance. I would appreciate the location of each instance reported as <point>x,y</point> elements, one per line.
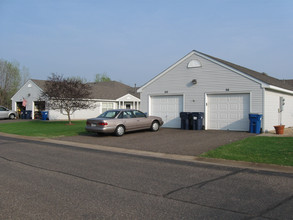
<point>107,106</point>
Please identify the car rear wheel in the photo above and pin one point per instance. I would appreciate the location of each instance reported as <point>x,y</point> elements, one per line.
<point>11,116</point>
<point>155,126</point>
<point>120,130</point>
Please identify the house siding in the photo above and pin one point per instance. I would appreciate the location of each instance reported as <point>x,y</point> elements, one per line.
<point>78,115</point>
<point>211,79</point>
<point>272,116</point>
<point>30,93</point>
<point>81,114</point>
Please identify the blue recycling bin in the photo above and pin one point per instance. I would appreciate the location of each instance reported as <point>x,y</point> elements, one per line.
<point>184,120</point>
<point>44,115</point>
<point>196,120</point>
<point>255,123</point>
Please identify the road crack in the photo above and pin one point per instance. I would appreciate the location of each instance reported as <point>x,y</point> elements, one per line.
<point>164,196</point>
<point>264,212</point>
<point>201,184</point>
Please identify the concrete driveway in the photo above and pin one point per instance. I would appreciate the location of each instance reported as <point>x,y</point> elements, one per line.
<point>171,141</point>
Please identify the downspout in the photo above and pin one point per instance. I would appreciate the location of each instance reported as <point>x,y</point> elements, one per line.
<point>263,110</point>
<point>205,111</point>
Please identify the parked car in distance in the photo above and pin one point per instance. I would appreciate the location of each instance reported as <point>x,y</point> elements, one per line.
<point>119,121</point>
<point>6,113</point>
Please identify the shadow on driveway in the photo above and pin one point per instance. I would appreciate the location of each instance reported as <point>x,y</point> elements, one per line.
<point>166,140</point>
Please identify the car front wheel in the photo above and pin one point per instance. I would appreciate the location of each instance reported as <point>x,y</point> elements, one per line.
<point>11,116</point>
<point>155,126</point>
<point>120,130</point>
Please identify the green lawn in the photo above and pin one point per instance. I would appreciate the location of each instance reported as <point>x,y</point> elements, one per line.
<point>44,128</point>
<point>270,150</point>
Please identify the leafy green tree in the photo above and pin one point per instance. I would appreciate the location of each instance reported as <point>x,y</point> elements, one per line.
<point>102,78</point>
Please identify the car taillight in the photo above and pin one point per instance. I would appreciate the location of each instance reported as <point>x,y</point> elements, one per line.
<point>103,123</point>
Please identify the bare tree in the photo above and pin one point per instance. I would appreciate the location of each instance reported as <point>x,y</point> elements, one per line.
<point>11,78</point>
<point>25,75</point>
<point>9,81</point>
<point>67,95</point>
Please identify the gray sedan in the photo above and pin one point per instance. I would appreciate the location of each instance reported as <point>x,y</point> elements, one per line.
<point>6,113</point>
<point>123,120</point>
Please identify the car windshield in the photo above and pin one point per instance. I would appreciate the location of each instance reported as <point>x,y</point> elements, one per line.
<point>109,114</point>
<point>3,108</point>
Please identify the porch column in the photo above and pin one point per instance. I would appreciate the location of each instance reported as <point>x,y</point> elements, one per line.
<point>33,110</point>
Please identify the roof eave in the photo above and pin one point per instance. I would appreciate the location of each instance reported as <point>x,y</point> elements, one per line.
<point>231,68</point>
<point>165,71</point>
<point>205,57</point>
<point>275,88</point>
<point>128,94</point>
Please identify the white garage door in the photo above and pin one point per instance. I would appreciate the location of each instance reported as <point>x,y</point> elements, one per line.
<point>168,108</point>
<point>228,112</point>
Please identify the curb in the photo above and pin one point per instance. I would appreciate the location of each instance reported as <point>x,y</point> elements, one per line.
<point>186,158</point>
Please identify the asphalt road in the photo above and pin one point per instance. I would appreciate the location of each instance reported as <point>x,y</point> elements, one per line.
<point>48,181</point>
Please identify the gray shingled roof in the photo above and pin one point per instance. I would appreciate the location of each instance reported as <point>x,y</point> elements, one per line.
<point>104,90</point>
<point>112,90</point>
<point>289,81</point>
<point>285,84</point>
<point>40,83</point>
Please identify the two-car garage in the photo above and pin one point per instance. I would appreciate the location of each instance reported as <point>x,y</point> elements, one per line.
<point>225,92</point>
<point>223,111</point>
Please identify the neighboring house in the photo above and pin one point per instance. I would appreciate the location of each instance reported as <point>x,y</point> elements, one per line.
<point>107,95</point>
<point>225,92</point>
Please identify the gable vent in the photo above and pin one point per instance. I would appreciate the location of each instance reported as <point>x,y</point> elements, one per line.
<point>193,64</point>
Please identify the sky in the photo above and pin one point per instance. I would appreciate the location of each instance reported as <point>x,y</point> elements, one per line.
<point>132,41</point>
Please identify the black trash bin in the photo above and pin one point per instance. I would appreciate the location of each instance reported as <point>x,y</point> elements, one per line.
<point>184,120</point>
<point>255,123</point>
<point>196,120</point>
<point>22,114</point>
<point>28,114</point>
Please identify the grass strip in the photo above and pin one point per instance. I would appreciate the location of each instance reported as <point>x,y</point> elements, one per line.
<point>44,128</point>
<point>269,150</point>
